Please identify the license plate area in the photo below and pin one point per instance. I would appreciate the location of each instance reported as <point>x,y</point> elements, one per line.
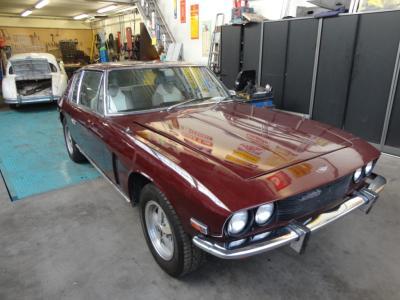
<point>300,244</point>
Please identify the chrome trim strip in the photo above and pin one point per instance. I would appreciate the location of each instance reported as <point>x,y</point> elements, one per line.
<point>376,185</point>
<point>104,175</point>
<point>32,100</point>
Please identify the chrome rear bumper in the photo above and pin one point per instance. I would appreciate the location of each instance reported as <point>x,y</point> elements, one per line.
<point>29,100</point>
<point>362,199</point>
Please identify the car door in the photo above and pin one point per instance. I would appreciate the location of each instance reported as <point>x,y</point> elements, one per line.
<point>94,128</point>
<point>73,111</point>
<point>87,112</point>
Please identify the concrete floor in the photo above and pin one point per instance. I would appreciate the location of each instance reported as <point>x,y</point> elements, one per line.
<point>85,242</point>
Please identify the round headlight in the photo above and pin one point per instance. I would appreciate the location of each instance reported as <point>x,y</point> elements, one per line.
<point>264,212</point>
<point>368,168</point>
<point>357,175</point>
<point>238,222</point>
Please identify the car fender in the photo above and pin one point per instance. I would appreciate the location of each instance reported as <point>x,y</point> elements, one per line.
<point>189,197</point>
<point>9,87</point>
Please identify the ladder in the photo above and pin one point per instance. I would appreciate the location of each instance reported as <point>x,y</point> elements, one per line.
<point>214,56</point>
<point>155,23</point>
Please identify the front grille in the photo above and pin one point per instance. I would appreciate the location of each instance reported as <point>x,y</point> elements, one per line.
<point>324,197</point>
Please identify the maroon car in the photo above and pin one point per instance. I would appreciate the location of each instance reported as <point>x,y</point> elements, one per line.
<point>209,172</point>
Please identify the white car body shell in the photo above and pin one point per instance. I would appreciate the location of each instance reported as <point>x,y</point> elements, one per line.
<point>56,73</point>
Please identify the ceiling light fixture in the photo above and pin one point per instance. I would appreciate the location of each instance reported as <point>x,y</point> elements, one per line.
<point>125,9</point>
<point>26,13</point>
<point>82,16</point>
<point>106,9</point>
<point>41,4</point>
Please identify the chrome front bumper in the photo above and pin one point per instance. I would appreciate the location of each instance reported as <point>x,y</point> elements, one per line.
<point>29,100</point>
<point>363,199</point>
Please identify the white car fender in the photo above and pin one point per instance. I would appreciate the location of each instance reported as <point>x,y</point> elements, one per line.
<point>59,83</point>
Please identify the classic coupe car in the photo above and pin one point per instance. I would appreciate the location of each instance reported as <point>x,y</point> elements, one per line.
<point>211,173</point>
<point>33,78</point>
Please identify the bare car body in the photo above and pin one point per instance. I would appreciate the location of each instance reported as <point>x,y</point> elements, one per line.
<point>33,78</point>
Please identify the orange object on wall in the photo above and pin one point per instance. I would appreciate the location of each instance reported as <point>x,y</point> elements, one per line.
<point>183,11</point>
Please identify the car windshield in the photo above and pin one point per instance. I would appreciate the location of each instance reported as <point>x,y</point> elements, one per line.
<point>151,88</point>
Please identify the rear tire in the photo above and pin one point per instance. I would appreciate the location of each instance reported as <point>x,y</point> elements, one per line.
<point>185,256</point>
<point>72,150</point>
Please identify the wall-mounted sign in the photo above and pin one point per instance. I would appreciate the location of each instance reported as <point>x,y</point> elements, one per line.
<point>194,22</point>
<point>183,11</point>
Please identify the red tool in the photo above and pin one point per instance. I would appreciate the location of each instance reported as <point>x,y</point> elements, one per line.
<point>129,45</point>
<point>119,41</point>
<point>240,3</point>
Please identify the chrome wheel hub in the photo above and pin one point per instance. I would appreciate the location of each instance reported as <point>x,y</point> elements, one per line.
<point>159,230</point>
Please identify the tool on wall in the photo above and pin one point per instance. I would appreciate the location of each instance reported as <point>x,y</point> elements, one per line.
<point>214,56</point>
<point>119,45</point>
<point>240,7</point>
<point>93,45</point>
<point>129,42</point>
<point>103,49</point>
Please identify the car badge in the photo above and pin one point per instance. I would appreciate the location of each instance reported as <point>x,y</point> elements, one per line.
<point>311,195</point>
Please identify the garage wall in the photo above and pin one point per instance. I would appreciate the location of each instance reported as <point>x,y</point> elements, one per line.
<point>43,35</point>
<point>343,71</point>
<point>119,23</point>
<point>192,49</point>
<point>24,40</point>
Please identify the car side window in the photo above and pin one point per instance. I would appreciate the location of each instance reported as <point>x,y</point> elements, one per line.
<point>53,68</point>
<point>75,87</point>
<point>90,89</point>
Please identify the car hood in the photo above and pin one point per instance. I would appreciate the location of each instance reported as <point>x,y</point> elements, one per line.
<point>249,141</point>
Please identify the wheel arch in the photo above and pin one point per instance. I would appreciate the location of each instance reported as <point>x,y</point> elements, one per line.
<point>62,117</point>
<point>136,182</point>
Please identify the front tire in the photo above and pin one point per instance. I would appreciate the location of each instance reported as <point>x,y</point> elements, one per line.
<point>72,150</point>
<point>170,246</point>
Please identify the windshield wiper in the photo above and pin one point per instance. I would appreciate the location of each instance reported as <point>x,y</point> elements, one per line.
<point>186,102</point>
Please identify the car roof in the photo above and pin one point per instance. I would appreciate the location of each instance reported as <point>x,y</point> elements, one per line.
<point>48,56</point>
<point>138,64</point>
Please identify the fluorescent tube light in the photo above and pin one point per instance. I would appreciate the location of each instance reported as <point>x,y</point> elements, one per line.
<point>41,4</point>
<point>82,16</point>
<point>26,13</point>
<point>106,9</point>
<point>125,9</point>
